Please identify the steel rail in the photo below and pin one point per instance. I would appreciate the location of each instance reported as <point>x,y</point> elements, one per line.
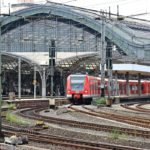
<point>64,141</point>
<point>138,121</point>
<point>33,114</point>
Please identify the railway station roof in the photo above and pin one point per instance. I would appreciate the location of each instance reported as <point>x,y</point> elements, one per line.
<point>132,69</point>
<point>91,63</point>
<point>10,62</point>
<point>129,37</point>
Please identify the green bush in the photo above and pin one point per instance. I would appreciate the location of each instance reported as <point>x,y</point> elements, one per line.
<point>11,106</point>
<point>123,136</point>
<point>115,134</point>
<point>101,101</point>
<point>15,119</point>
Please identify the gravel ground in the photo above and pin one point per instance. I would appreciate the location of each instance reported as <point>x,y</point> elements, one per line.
<point>84,134</point>
<point>34,146</point>
<point>147,106</point>
<point>118,109</point>
<point>99,136</point>
<point>64,113</point>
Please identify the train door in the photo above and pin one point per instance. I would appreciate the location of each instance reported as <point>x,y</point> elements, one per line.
<point>136,88</point>
<point>142,88</point>
<point>106,87</point>
<point>149,88</point>
<point>132,88</point>
<point>90,86</point>
<point>123,88</point>
<point>120,88</point>
<point>116,88</point>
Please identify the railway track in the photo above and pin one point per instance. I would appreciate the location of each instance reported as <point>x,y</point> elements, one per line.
<point>63,141</point>
<point>141,122</point>
<point>33,114</point>
<point>141,108</point>
<point>138,107</point>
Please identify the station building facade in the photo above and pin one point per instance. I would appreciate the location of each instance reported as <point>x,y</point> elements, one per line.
<point>27,35</point>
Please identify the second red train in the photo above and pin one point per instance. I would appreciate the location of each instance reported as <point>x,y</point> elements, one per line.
<point>83,88</point>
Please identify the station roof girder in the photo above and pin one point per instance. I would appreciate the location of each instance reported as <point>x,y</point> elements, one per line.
<point>132,43</point>
<point>10,62</point>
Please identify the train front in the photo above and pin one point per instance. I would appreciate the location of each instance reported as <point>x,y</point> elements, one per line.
<point>75,88</point>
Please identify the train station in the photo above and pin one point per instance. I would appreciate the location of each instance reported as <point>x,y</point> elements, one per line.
<point>56,57</point>
<point>47,44</point>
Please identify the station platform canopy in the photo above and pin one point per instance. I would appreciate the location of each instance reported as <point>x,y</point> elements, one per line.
<point>75,30</point>
<point>132,69</point>
<point>10,62</point>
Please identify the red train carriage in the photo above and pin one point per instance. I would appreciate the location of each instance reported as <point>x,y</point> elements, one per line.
<point>145,87</point>
<point>82,88</point>
<point>133,87</point>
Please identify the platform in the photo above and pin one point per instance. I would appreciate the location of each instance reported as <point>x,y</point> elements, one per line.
<point>131,69</point>
<point>135,98</point>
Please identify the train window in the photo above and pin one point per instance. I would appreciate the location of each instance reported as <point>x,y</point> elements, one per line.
<point>77,86</point>
<point>77,82</point>
<point>142,87</point>
<point>135,88</point>
<point>120,87</point>
<point>77,78</point>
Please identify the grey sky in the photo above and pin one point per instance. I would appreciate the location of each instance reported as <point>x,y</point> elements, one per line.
<point>126,7</point>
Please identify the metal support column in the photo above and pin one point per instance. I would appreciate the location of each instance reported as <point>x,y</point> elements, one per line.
<point>1,134</point>
<point>52,83</point>
<point>110,83</point>
<point>103,57</point>
<point>139,84</point>
<point>43,84</point>
<point>0,93</point>
<point>127,84</point>
<point>52,65</point>
<point>116,84</point>
<point>109,67</point>
<point>35,82</point>
<point>61,84</point>
<point>19,78</point>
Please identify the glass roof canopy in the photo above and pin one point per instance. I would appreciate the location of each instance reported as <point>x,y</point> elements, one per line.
<point>30,30</point>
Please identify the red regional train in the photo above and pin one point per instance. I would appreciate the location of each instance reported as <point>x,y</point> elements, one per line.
<point>82,88</point>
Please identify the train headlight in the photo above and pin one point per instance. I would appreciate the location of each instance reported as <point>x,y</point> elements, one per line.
<point>86,91</point>
<point>69,91</point>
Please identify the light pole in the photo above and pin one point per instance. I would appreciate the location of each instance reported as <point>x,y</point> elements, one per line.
<point>19,78</point>
<point>52,64</point>
<point>1,134</point>
<point>34,82</point>
<point>103,57</point>
<point>109,67</point>
<point>0,96</point>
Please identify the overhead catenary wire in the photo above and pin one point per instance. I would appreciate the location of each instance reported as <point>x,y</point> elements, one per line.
<point>96,12</point>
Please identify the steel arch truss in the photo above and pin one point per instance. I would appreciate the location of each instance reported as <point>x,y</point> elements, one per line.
<point>125,37</point>
<point>122,34</point>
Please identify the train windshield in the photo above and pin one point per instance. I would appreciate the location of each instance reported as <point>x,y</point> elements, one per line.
<point>77,82</point>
